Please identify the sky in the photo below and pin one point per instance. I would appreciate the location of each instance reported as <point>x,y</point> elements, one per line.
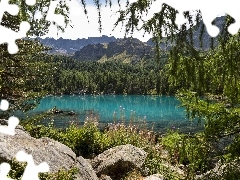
<point>84,29</point>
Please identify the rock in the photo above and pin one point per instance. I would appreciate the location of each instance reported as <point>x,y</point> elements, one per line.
<point>58,112</point>
<point>105,177</point>
<point>71,113</point>
<point>181,166</point>
<point>69,46</point>
<point>228,105</point>
<point>131,48</point>
<point>54,153</point>
<point>154,177</point>
<point>86,171</point>
<point>57,155</point>
<point>229,170</point>
<point>3,122</point>
<point>118,160</point>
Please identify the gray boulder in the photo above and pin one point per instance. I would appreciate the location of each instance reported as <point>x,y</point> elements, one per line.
<point>229,170</point>
<point>118,160</point>
<point>57,155</point>
<point>54,153</point>
<point>154,177</point>
<point>86,171</point>
<point>105,177</point>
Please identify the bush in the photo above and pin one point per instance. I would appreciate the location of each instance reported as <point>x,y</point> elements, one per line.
<point>17,170</point>
<point>88,141</point>
<point>190,150</point>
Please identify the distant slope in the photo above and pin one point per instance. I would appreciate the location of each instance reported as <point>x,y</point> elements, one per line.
<point>68,46</point>
<point>108,48</point>
<point>206,38</point>
<point>122,48</point>
<point>132,49</point>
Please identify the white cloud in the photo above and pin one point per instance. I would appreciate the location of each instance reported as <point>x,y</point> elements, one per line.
<point>83,29</point>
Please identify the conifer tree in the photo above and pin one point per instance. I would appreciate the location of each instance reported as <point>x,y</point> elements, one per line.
<point>19,71</point>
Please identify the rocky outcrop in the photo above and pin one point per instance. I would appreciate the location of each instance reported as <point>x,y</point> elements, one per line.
<point>54,153</point>
<point>57,155</point>
<point>86,171</point>
<point>105,177</point>
<point>110,164</point>
<point>229,170</point>
<point>130,47</point>
<point>154,177</point>
<point>69,46</point>
<point>118,160</point>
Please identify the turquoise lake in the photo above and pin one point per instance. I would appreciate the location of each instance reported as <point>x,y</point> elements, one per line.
<point>163,111</point>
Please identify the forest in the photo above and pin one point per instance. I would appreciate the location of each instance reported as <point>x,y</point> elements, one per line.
<point>70,76</point>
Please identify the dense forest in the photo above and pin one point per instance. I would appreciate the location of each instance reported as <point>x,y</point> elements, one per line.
<point>69,76</point>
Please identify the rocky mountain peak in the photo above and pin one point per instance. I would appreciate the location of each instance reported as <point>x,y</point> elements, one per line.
<point>130,47</point>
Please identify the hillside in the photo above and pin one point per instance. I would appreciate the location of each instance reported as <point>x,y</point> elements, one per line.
<point>106,48</point>
<point>132,49</point>
<point>68,46</point>
<point>122,48</point>
<point>206,38</point>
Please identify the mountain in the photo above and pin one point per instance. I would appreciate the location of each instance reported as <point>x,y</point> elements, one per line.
<point>132,49</point>
<point>68,46</point>
<point>126,49</point>
<point>206,38</point>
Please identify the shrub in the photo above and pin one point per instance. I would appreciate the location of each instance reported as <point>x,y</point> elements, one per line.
<point>192,151</point>
<point>17,170</point>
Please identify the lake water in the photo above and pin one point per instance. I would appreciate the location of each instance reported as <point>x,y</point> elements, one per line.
<point>163,111</point>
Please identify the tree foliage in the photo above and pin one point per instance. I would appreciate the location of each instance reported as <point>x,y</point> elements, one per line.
<point>208,81</point>
<point>18,71</point>
<point>17,74</point>
<point>39,26</point>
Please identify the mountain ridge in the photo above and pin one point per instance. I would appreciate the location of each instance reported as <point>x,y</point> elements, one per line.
<point>97,48</point>
<point>69,46</point>
<point>131,48</point>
